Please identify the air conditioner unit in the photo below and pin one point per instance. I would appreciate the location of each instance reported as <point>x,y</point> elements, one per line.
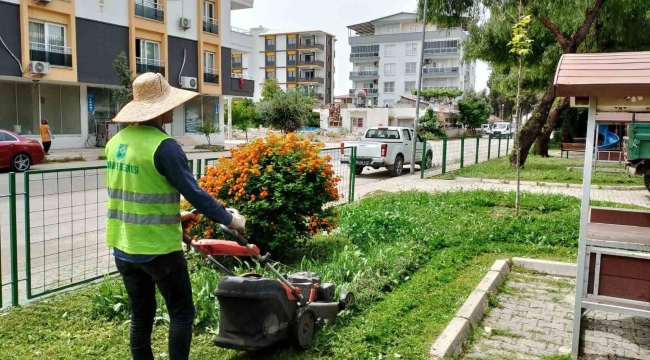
<point>376,63</point>
<point>184,23</point>
<point>188,82</point>
<point>43,1</point>
<point>376,81</point>
<point>428,61</point>
<point>39,67</point>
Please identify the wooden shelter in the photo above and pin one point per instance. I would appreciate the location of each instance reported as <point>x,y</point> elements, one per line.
<point>614,244</point>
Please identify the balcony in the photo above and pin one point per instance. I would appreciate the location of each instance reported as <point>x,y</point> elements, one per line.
<point>291,46</point>
<point>367,74</point>
<point>269,47</point>
<point>439,71</point>
<point>291,62</point>
<point>210,25</point>
<point>291,79</point>
<point>440,52</point>
<point>311,63</point>
<point>270,64</point>
<point>149,10</point>
<point>55,55</point>
<point>310,44</point>
<point>143,65</point>
<point>210,76</point>
<point>240,85</point>
<point>364,56</point>
<point>369,92</point>
<point>311,79</point>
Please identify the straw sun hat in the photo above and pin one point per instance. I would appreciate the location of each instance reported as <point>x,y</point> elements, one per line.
<point>152,97</point>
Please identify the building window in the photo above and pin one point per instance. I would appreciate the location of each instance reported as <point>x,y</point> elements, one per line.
<point>270,60</point>
<point>150,9</point>
<point>210,72</point>
<point>389,103</point>
<point>236,61</point>
<point>291,42</point>
<point>291,59</point>
<point>364,51</point>
<point>409,86</point>
<point>410,68</point>
<point>358,122</point>
<point>147,57</point>
<point>270,43</point>
<point>47,42</point>
<point>291,76</point>
<point>411,49</point>
<point>210,24</point>
<point>389,87</point>
<point>389,69</point>
<point>270,74</point>
<point>389,50</point>
<point>414,28</point>
<point>441,47</point>
<point>391,29</point>
<point>329,58</point>
<point>329,74</point>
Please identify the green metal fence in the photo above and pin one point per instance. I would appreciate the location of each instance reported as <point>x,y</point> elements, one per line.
<point>454,154</point>
<point>57,234</point>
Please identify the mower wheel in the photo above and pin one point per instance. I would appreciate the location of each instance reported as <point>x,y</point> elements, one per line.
<point>346,301</point>
<point>304,328</point>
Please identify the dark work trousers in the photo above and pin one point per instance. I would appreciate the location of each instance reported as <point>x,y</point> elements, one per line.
<point>46,146</point>
<point>169,273</point>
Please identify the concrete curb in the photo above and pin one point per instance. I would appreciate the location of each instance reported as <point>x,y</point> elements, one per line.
<point>555,268</point>
<point>547,184</point>
<point>449,343</point>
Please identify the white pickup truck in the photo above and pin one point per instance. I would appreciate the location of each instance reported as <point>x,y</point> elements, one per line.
<point>390,147</point>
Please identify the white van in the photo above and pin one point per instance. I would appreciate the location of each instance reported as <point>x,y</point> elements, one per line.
<point>502,128</point>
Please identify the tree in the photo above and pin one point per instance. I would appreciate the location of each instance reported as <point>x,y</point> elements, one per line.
<point>207,129</point>
<point>441,96</point>
<point>473,112</point>
<point>244,115</point>
<point>270,89</point>
<point>286,111</point>
<point>123,94</point>
<point>429,124</point>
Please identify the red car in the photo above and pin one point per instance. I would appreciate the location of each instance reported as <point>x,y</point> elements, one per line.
<point>18,153</point>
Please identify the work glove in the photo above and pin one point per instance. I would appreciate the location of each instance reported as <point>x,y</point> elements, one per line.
<point>238,222</point>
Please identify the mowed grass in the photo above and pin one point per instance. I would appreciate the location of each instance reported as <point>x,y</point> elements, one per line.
<point>411,258</point>
<point>544,170</point>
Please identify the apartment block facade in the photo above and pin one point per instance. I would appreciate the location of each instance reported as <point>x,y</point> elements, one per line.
<point>302,60</point>
<point>58,63</point>
<point>385,57</point>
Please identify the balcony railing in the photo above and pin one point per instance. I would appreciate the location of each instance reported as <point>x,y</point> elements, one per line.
<point>311,79</point>
<point>439,70</point>
<point>210,75</point>
<point>369,92</point>
<point>240,30</point>
<point>240,76</point>
<point>437,51</point>
<point>311,63</point>
<point>366,73</point>
<point>291,46</point>
<point>291,62</point>
<point>270,64</point>
<point>55,55</point>
<point>210,25</point>
<point>364,55</point>
<point>310,44</point>
<point>150,10</point>
<point>143,65</point>
<point>269,46</point>
<point>236,64</point>
<point>291,79</point>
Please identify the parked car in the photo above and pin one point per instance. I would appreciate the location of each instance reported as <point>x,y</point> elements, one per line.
<point>18,153</point>
<point>486,129</point>
<point>501,128</point>
<point>390,147</point>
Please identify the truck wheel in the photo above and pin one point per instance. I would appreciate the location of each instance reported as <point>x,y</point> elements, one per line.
<point>359,170</point>
<point>398,166</point>
<point>646,180</point>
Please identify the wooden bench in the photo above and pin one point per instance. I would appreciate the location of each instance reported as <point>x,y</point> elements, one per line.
<point>618,260</point>
<point>566,147</point>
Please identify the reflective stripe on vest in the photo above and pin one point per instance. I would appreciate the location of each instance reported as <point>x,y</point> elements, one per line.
<point>143,207</point>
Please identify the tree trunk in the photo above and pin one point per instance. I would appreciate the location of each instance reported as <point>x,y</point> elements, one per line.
<point>534,125</point>
<point>543,140</point>
<point>566,126</point>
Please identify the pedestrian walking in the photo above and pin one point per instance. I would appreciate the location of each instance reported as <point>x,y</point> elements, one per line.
<point>46,135</point>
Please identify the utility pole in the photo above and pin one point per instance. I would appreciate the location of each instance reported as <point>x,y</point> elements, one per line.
<point>417,101</point>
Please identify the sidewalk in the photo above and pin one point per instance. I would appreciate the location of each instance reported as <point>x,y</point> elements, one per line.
<point>91,154</point>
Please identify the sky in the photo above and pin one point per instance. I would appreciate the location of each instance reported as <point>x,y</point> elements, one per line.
<point>332,16</point>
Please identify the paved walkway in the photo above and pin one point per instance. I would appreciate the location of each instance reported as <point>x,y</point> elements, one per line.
<point>413,182</point>
<point>533,320</point>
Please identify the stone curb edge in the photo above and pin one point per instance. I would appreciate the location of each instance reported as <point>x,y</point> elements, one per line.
<point>449,343</point>
<point>555,268</point>
<point>547,184</point>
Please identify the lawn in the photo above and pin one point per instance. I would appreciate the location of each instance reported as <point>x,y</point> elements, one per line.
<point>544,169</point>
<point>412,258</point>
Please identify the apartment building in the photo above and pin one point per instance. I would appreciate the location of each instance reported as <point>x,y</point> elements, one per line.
<point>301,60</point>
<point>59,55</point>
<point>385,57</point>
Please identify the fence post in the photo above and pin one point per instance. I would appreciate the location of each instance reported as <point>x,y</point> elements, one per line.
<point>508,143</point>
<point>478,139</point>
<point>423,163</point>
<point>28,249</point>
<point>462,152</point>
<point>13,239</point>
<point>198,169</point>
<point>353,173</point>
<point>489,145</point>
<point>499,151</point>
<point>444,155</point>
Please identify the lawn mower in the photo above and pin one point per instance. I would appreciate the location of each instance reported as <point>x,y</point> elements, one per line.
<point>256,312</point>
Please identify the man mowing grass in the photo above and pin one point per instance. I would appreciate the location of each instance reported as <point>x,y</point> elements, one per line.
<point>146,171</point>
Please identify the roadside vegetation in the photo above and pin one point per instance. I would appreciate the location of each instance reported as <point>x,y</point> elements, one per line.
<point>411,258</point>
<point>541,169</point>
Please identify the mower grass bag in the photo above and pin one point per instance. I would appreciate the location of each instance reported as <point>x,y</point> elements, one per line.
<point>254,313</point>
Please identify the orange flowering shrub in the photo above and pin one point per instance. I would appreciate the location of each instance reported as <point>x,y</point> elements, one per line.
<point>280,185</point>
